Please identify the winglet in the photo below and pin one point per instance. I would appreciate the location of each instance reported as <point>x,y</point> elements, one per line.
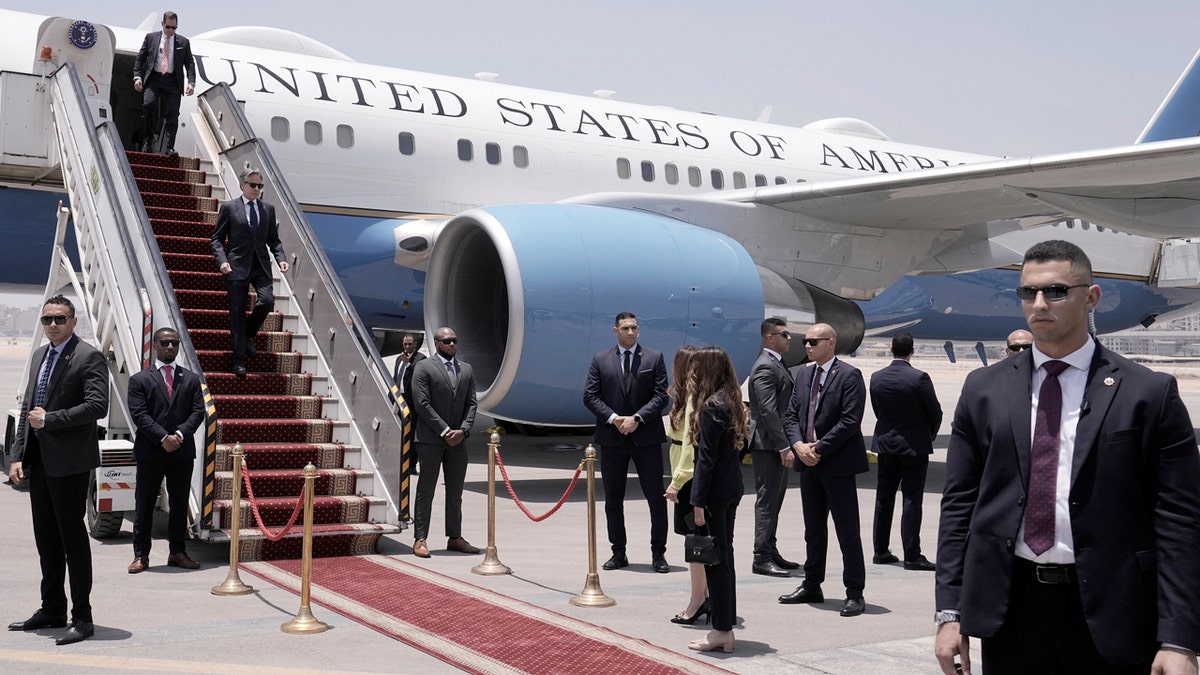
<point>1179,114</point>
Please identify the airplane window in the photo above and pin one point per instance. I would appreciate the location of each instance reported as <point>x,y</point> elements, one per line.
<point>671,173</point>
<point>694,176</point>
<point>493,153</point>
<point>520,156</point>
<point>718,179</point>
<point>466,151</point>
<point>281,129</point>
<point>623,171</point>
<point>648,172</point>
<point>739,180</point>
<point>408,144</point>
<point>780,180</point>
<point>345,136</point>
<point>312,132</point>
<point>760,180</point>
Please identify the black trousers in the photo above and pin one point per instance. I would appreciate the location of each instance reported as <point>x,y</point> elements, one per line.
<point>58,505</point>
<point>150,475</point>
<point>241,327</point>
<point>614,471</point>
<point>722,582</point>
<point>822,495</point>
<point>434,457</point>
<point>160,89</point>
<point>770,485</point>
<point>907,473</point>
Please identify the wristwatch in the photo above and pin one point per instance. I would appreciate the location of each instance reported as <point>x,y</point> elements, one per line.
<point>638,419</point>
<point>945,616</point>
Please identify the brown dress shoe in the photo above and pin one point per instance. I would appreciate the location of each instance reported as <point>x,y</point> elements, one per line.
<point>461,545</point>
<point>182,560</point>
<point>139,564</point>
<point>420,549</point>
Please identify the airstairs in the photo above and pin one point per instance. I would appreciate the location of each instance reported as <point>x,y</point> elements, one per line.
<point>317,391</point>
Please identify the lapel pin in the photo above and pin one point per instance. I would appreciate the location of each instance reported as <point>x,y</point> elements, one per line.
<point>1108,382</point>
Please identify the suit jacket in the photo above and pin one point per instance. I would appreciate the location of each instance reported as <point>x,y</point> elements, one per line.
<point>233,241</point>
<point>605,394</point>
<point>157,416</point>
<point>838,421</point>
<point>147,59</point>
<point>907,412</point>
<point>405,383</point>
<point>718,476</point>
<point>770,388</point>
<point>76,397</point>
<point>1134,503</point>
<point>439,403</point>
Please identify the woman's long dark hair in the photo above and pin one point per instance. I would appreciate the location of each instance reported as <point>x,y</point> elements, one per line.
<point>679,384</point>
<point>711,376</point>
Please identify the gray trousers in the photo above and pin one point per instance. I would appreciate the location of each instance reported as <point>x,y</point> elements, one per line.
<point>433,458</point>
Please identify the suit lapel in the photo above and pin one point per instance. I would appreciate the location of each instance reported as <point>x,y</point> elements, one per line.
<point>1019,399</point>
<point>60,367</point>
<point>1102,384</point>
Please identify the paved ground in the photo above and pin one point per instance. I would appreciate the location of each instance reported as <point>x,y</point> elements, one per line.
<point>166,620</point>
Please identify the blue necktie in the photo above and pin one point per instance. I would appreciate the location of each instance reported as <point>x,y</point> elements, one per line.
<point>254,217</point>
<point>39,394</point>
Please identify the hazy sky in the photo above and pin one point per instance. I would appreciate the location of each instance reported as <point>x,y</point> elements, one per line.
<point>1006,78</point>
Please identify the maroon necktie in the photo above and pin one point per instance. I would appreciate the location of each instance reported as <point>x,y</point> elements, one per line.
<point>169,378</point>
<point>1043,473</point>
<point>813,395</point>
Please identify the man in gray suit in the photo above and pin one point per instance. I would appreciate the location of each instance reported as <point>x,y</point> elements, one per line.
<point>57,448</point>
<point>443,390</point>
<point>770,386</point>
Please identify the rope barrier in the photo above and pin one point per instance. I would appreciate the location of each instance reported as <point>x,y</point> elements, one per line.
<point>562,500</point>
<point>258,517</point>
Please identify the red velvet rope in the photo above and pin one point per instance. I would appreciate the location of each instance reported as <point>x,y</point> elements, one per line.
<point>562,500</point>
<point>258,517</point>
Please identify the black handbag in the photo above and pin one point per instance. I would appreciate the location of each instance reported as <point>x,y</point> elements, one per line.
<point>701,548</point>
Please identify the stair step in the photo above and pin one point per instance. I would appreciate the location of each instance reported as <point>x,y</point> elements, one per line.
<point>154,186</point>
<point>184,215</point>
<point>191,228</point>
<point>328,541</point>
<point>274,431</point>
<point>160,200</point>
<point>210,280</point>
<point>163,161</point>
<point>196,246</point>
<point>218,319</point>
<point>284,455</point>
<point>265,406</point>
<point>291,384</point>
<point>178,262</point>
<point>276,511</point>
<point>167,174</point>
<point>287,483</point>
<point>265,341</point>
<point>263,362</point>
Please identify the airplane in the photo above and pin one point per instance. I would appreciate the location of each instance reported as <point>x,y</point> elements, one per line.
<point>527,219</point>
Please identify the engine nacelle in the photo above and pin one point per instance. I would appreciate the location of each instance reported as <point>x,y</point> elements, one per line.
<point>532,292</point>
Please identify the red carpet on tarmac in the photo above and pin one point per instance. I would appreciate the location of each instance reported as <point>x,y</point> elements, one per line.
<point>470,627</point>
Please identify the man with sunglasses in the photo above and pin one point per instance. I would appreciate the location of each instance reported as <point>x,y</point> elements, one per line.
<point>1018,341</point>
<point>1070,531</point>
<point>444,404</point>
<point>158,72</point>
<point>245,234</point>
<point>167,407</point>
<point>57,448</point>
<point>770,387</point>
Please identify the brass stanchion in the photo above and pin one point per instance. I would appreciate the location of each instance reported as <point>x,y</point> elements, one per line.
<point>491,564</point>
<point>592,595</point>
<point>233,583</point>
<point>305,622</point>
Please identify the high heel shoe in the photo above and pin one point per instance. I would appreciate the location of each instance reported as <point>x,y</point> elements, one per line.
<point>704,610</point>
<point>724,643</point>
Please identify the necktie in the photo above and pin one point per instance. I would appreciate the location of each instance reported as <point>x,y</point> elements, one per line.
<point>1043,473</point>
<point>813,395</point>
<point>164,64</point>
<point>39,394</point>
<point>628,359</point>
<point>254,216</point>
<point>450,368</point>
<point>169,378</point>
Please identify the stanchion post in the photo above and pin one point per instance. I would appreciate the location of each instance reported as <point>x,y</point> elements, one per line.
<point>305,622</point>
<point>491,564</point>
<point>233,583</point>
<point>592,595</point>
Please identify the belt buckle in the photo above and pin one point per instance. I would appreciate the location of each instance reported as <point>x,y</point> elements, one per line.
<point>1053,574</point>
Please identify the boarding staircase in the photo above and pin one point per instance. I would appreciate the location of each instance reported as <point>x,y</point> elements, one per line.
<point>318,390</point>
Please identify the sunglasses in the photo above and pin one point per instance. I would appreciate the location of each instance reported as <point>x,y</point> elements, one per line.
<point>449,341</point>
<point>1051,292</point>
<point>783,333</point>
<point>169,343</point>
<point>256,186</point>
<point>170,27</point>
<point>1018,348</point>
<point>813,342</point>
<point>58,319</point>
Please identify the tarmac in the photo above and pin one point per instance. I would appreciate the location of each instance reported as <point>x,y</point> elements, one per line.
<point>166,620</point>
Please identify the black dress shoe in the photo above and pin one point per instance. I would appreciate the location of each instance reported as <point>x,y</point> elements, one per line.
<point>660,565</point>
<point>920,564</point>
<point>616,562</point>
<point>885,558</point>
<point>784,563</point>
<point>769,568</point>
<point>802,594</point>
<point>39,620</point>
<point>78,632</point>
<point>239,370</point>
<point>171,152</point>
<point>853,607</point>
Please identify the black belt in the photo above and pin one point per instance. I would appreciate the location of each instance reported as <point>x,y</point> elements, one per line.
<point>675,442</point>
<point>1047,574</point>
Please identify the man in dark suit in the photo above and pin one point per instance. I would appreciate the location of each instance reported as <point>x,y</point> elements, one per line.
<point>824,426</point>
<point>158,72</point>
<point>1075,473</point>
<point>444,400</point>
<point>1018,341</point>
<point>907,419</point>
<point>57,448</point>
<point>167,407</point>
<point>406,363</point>
<point>246,232</point>
<point>770,386</point>
<point>627,390</point>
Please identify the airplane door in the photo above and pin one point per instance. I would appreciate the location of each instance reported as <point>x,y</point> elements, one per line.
<point>90,48</point>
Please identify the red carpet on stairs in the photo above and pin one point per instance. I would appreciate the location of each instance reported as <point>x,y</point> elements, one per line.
<point>470,627</point>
